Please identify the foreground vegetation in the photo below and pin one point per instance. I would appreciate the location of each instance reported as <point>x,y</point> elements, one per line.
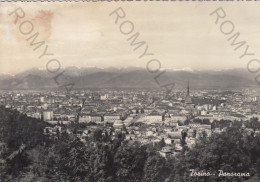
<point>29,155</point>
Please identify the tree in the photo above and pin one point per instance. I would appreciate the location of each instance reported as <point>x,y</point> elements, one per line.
<point>70,162</point>
<point>156,169</point>
<point>129,161</point>
<point>205,121</point>
<point>187,122</point>
<point>160,144</point>
<point>194,133</point>
<point>227,151</point>
<point>97,134</point>
<point>16,131</point>
<point>103,167</point>
<point>253,123</point>
<point>106,137</point>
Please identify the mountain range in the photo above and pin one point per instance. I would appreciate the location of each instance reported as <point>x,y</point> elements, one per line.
<point>131,77</point>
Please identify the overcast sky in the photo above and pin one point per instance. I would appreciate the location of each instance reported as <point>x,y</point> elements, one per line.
<point>181,35</point>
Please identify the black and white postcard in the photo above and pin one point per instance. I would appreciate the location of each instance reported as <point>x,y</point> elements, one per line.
<point>129,91</point>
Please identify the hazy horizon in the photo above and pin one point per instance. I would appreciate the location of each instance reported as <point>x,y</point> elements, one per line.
<point>134,68</point>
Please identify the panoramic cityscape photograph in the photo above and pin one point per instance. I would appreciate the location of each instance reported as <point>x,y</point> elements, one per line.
<point>138,91</point>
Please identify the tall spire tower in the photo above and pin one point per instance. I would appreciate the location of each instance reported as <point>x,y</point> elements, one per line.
<point>188,98</point>
<point>188,88</point>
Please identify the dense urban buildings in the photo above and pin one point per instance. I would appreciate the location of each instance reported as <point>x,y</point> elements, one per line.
<point>170,124</point>
<point>187,110</point>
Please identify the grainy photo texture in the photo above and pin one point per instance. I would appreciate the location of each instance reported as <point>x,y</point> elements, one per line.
<point>129,91</point>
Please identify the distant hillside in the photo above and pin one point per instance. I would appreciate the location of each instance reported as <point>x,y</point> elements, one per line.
<point>127,78</point>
